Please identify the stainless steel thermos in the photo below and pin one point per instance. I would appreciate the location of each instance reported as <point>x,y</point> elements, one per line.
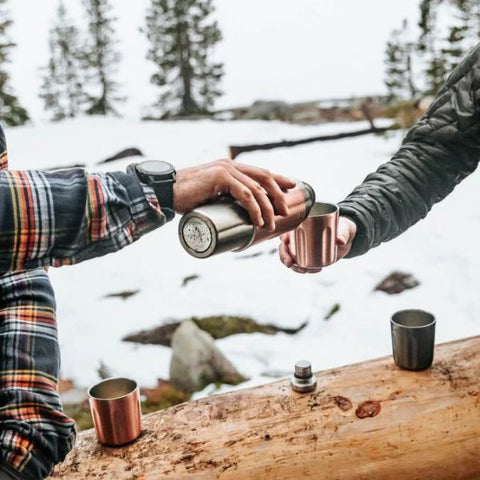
<point>225,226</point>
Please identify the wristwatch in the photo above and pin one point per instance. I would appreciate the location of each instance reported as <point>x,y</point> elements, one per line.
<point>160,176</point>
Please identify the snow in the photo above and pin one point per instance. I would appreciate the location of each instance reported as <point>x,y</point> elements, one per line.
<point>440,251</point>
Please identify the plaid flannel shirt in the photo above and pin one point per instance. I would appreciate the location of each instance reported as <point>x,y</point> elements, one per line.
<point>50,218</point>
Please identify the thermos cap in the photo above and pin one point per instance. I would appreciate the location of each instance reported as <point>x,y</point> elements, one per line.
<point>197,234</point>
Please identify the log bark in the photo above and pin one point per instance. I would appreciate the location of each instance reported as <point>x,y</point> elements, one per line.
<point>236,150</point>
<point>365,421</point>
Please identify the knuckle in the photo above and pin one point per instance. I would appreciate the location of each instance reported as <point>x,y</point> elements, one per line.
<point>247,195</point>
<point>266,175</point>
<point>258,188</point>
<point>220,171</point>
<point>225,163</point>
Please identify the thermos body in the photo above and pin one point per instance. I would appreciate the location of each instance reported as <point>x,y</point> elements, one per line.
<point>224,225</point>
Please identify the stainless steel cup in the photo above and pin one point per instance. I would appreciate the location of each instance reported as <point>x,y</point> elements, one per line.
<point>313,242</point>
<point>115,406</point>
<point>224,225</point>
<point>413,339</point>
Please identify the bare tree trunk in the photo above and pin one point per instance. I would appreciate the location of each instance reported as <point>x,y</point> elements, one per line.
<point>411,84</point>
<point>236,150</point>
<point>189,106</point>
<point>366,421</point>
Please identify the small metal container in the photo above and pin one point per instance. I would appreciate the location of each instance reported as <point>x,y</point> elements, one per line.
<point>413,339</point>
<point>115,407</point>
<point>303,379</point>
<point>225,226</point>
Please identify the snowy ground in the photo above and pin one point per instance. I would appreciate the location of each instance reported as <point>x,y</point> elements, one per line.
<point>443,258</point>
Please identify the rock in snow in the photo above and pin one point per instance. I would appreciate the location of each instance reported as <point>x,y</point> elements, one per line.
<point>197,361</point>
<point>397,282</point>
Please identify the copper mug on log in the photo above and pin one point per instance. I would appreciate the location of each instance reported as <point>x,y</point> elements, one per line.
<point>314,242</point>
<point>115,407</point>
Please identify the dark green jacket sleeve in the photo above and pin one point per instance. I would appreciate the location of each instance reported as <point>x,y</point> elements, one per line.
<point>437,153</point>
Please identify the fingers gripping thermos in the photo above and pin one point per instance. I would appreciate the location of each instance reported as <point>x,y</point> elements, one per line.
<point>225,226</point>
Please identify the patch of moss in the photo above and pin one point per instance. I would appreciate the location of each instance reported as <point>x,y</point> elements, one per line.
<point>226,325</point>
<point>218,326</point>
<point>335,309</point>
<point>406,113</point>
<point>80,412</point>
<point>233,378</point>
<point>170,396</point>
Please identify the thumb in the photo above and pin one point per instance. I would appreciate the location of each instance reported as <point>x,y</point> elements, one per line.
<point>342,238</point>
<point>344,233</point>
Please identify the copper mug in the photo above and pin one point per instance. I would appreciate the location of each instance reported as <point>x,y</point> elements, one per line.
<point>115,407</point>
<point>314,242</point>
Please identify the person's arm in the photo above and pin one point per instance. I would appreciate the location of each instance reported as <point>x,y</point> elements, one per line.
<point>66,216</point>
<point>437,153</point>
<point>62,217</point>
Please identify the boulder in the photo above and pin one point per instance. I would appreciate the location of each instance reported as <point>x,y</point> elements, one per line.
<point>307,113</point>
<point>397,282</point>
<point>197,361</point>
<point>269,110</point>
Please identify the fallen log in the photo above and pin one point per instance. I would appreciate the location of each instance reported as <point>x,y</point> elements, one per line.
<point>236,150</point>
<point>128,152</point>
<point>365,421</point>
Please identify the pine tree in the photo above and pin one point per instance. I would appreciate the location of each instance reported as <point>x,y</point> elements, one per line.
<point>11,112</point>
<point>458,40</point>
<point>436,73</point>
<point>448,29</point>
<point>62,88</point>
<point>436,67</point>
<point>101,58</point>
<point>398,62</point>
<point>473,7</point>
<point>426,24</point>
<point>181,37</point>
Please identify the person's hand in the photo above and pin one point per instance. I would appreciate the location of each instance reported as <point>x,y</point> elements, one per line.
<point>345,236</point>
<point>260,192</point>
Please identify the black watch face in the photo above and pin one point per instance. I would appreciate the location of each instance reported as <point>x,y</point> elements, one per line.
<point>155,167</point>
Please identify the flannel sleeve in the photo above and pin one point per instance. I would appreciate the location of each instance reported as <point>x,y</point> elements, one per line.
<point>62,217</point>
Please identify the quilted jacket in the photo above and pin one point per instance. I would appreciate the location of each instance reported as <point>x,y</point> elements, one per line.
<point>437,153</point>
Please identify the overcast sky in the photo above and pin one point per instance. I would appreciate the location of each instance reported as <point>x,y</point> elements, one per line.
<point>272,49</point>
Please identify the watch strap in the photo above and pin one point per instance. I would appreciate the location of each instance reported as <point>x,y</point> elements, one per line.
<point>164,193</point>
<point>163,190</point>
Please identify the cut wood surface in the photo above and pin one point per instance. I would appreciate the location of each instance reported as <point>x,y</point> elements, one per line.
<point>365,421</point>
